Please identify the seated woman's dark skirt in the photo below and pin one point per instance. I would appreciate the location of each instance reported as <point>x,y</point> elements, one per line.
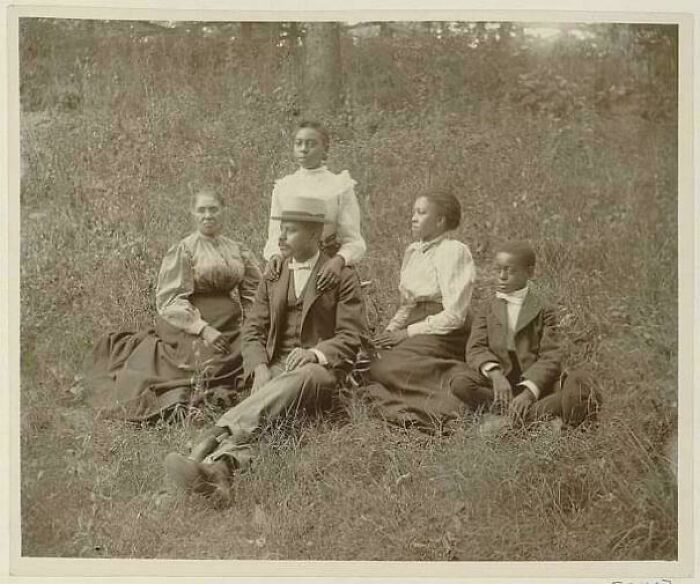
<point>409,382</point>
<point>146,375</point>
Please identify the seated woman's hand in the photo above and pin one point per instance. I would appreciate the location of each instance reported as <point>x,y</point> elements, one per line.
<point>389,339</point>
<point>214,338</point>
<point>273,268</point>
<point>329,275</point>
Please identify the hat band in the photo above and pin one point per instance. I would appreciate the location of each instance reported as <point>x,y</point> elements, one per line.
<point>301,216</point>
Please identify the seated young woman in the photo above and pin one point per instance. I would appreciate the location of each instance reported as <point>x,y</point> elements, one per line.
<point>204,282</point>
<point>426,338</point>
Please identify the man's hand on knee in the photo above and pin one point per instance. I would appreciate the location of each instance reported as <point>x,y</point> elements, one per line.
<point>299,357</point>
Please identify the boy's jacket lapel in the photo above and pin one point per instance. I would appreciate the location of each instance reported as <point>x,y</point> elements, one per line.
<point>500,311</point>
<point>530,309</point>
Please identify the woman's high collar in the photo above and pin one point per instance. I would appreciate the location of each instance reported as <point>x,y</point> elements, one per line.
<point>426,245</point>
<point>311,171</point>
<point>212,238</point>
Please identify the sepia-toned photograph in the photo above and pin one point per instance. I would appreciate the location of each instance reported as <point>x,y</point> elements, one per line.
<point>359,290</point>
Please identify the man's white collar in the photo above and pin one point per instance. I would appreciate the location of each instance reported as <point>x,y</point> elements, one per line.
<point>306,264</point>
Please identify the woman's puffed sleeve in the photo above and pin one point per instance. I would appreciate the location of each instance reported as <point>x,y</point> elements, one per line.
<point>352,244</point>
<point>273,228</point>
<point>251,278</point>
<point>175,286</point>
<point>455,274</point>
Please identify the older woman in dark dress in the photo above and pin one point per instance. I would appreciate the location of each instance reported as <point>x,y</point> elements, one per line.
<point>204,284</point>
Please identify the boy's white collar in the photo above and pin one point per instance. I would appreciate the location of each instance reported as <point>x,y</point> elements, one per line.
<point>515,297</point>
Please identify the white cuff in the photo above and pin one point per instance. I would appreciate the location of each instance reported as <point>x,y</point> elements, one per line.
<point>320,356</point>
<point>532,386</point>
<point>417,328</point>
<point>344,255</point>
<point>490,366</point>
<point>196,327</point>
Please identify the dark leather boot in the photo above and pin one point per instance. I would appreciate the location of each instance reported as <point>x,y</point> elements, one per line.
<point>199,477</point>
<point>208,444</point>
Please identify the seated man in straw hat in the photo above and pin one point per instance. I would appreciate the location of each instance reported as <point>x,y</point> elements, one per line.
<point>297,344</point>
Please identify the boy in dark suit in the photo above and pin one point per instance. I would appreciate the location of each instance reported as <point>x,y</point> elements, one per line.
<point>298,342</point>
<point>513,354</point>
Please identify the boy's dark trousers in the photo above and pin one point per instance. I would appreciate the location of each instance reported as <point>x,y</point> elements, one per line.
<point>573,398</point>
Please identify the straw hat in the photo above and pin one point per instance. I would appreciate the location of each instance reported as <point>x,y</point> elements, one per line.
<point>306,209</point>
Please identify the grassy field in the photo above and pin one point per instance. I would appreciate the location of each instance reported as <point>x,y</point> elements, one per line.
<point>114,131</point>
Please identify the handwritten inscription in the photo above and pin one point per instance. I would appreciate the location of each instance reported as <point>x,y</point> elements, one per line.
<point>657,581</point>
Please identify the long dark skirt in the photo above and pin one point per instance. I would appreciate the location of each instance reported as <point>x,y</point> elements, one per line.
<point>144,375</point>
<point>410,381</point>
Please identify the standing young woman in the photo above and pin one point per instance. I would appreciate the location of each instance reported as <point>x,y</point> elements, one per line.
<point>342,237</point>
<point>204,282</point>
<point>426,337</point>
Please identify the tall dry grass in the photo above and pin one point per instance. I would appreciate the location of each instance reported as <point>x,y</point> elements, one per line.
<point>115,129</point>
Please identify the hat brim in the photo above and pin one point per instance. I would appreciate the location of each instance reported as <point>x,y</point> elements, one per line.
<point>300,217</point>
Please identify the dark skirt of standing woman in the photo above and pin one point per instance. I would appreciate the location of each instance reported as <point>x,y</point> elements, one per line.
<point>193,351</point>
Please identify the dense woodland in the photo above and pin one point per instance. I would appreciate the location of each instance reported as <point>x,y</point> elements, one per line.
<point>336,69</point>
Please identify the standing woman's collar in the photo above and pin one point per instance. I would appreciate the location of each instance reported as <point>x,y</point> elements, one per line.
<point>312,171</point>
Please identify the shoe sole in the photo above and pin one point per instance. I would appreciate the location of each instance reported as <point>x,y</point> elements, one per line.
<point>183,472</point>
<point>186,474</point>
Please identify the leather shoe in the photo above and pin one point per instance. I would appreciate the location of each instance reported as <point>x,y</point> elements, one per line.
<point>198,477</point>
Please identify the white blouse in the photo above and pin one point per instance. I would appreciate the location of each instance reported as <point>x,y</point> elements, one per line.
<point>441,270</point>
<point>342,210</point>
<point>202,264</point>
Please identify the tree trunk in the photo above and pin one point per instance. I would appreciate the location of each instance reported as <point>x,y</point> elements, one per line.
<point>293,34</point>
<point>246,31</point>
<point>271,31</point>
<point>322,84</point>
<point>505,33</point>
<point>480,32</point>
<point>385,30</point>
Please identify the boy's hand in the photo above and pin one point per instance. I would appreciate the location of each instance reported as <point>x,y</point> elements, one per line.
<point>521,403</point>
<point>502,391</point>
<point>299,357</point>
<point>273,268</point>
<point>389,339</point>
<point>261,377</point>
<point>329,275</point>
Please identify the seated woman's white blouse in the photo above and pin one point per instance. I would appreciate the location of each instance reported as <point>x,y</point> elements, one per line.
<point>202,264</point>
<point>441,270</point>
<point>337,191</point>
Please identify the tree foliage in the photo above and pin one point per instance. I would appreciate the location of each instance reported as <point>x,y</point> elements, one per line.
<point>324,67</point>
